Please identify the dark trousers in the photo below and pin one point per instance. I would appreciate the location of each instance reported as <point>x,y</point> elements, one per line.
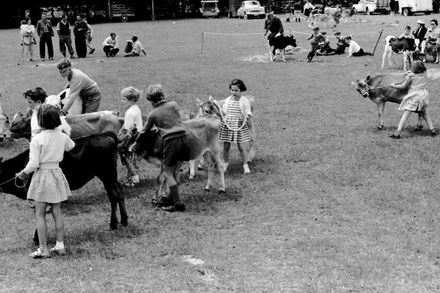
<point>110,51</point>
<point>66,41</point>
<point>312,52</point>
<point>360,53</point>
<point>81,46</point>
<point>46,39</point>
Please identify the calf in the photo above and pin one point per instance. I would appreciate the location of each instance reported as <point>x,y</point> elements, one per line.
<point>403,46</point>
<point>378,89</point>
<point>93,156</point>
<point>280,43</point>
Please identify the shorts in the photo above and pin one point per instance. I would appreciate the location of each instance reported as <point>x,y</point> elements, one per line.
<point>175,150</point>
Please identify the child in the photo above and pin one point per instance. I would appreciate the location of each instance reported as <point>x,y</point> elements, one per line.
<point>417,98</point>
<point>132,119</point>
<point>354,50</point>
<point>134,48</point>
<point>235,127</point>
<point>35,98</point>
<point>89,37</point>
<point>407,34</point>
<point>316,38</point>
<point>27,32</point>
<point>48,186</point>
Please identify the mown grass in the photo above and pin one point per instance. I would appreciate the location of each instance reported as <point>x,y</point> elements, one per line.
<point>332,204</point>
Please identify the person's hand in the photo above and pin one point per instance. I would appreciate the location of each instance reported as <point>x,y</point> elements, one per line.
<point>22,176</point>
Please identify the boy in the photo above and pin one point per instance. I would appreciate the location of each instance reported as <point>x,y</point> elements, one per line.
<point>136,48</point>
<point>316,38</point>
<point>132,120</point>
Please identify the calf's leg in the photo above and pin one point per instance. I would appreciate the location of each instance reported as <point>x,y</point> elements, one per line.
<point>380,111</point>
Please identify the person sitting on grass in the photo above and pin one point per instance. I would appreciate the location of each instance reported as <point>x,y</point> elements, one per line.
<point>134,48</point>
<point>354,50</point>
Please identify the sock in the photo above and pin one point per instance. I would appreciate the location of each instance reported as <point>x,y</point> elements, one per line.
<point>59,245</point>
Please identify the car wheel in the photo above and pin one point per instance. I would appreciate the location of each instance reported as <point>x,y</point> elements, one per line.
<point>124,18</point>
<point>405,11</point>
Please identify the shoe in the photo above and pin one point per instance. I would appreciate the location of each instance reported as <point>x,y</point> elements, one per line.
<point>31,60</point>
<point>175,208</point>
<point>433,132</point>
<point>50,58</point>
<point>61,251</point>
<point>246,169</point>
<point>436,61</point>
<point>163,202</point>
<point>38,255</point>
<point>42,59</point>
<point>395,135</point>
<point>92,50</point>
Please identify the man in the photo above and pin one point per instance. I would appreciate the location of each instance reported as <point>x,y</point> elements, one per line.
<point>81,86</point>
<point>433,39</point>
<point>45,32</point>
<point>111,45</point>
<point>64,34</point>
<point>275,26</point>
<point>80,31</point>
<point>419,35</point>
<point>165,116</point>
<point>134,48</point>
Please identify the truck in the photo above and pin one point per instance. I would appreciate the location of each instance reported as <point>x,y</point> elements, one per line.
<point>408,7</point>
<point>372,6</point>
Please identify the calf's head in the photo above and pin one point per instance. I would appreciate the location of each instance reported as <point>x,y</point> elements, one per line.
<point>363,86</point>
<point>21,125</point>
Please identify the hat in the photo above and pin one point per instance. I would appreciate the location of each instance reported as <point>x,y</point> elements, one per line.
<point>315,28</point>
<point>420,21</point>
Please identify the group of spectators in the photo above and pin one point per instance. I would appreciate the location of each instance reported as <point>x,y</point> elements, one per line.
<point>83,36</point>
<point>426,40</point>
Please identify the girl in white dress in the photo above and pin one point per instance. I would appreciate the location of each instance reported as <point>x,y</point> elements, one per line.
<point>48,186</point>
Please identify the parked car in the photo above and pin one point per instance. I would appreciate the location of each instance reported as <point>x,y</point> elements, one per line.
<point>372,6</point>
<point>250,9</point>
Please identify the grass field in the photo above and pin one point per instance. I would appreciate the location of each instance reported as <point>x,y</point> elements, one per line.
<point>332,204</point>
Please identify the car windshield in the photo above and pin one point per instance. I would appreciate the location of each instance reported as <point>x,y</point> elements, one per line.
<point>253,3</point>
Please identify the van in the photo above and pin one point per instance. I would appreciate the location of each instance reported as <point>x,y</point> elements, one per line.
<point>408,7</point>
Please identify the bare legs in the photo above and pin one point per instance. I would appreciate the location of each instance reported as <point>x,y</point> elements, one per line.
<point>243,152</point>
<point>424,114</point>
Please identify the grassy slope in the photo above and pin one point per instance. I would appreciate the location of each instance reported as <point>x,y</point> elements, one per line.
<point>332,204</point>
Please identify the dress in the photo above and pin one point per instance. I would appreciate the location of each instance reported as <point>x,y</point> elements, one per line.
<point>232,129</point>
<point>48,182</point>
<point>417,98</point>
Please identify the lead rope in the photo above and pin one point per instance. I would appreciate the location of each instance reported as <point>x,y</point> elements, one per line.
<point>215,102</point>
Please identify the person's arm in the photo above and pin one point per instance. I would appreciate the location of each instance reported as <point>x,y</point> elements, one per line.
<point>143,51</point>
<point>70,144</point>
<point>403,84</point>
<point>34,160</point>
<point>75,89</point>
<point>58,29</point>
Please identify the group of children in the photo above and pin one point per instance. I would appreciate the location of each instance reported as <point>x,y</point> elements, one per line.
<point>320,45</point>
<point>49,186</point>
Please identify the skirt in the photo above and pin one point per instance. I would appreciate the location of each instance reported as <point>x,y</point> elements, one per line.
<point>49,185</point>
<point>415,101</point>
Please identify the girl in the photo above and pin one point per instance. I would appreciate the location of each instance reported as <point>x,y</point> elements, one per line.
<point>27,32</point>
<point>417,98</point>
<point>235,126</point>
<point>48,186</point>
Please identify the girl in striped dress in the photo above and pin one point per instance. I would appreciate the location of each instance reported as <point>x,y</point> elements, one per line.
<point>235,125</point>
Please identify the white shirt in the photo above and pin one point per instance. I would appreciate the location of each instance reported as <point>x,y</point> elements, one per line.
<point>110,42</point>
<point>133,117</point>
<point>47,146</point>
<point>137,47</point>
<point>353,48</point>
